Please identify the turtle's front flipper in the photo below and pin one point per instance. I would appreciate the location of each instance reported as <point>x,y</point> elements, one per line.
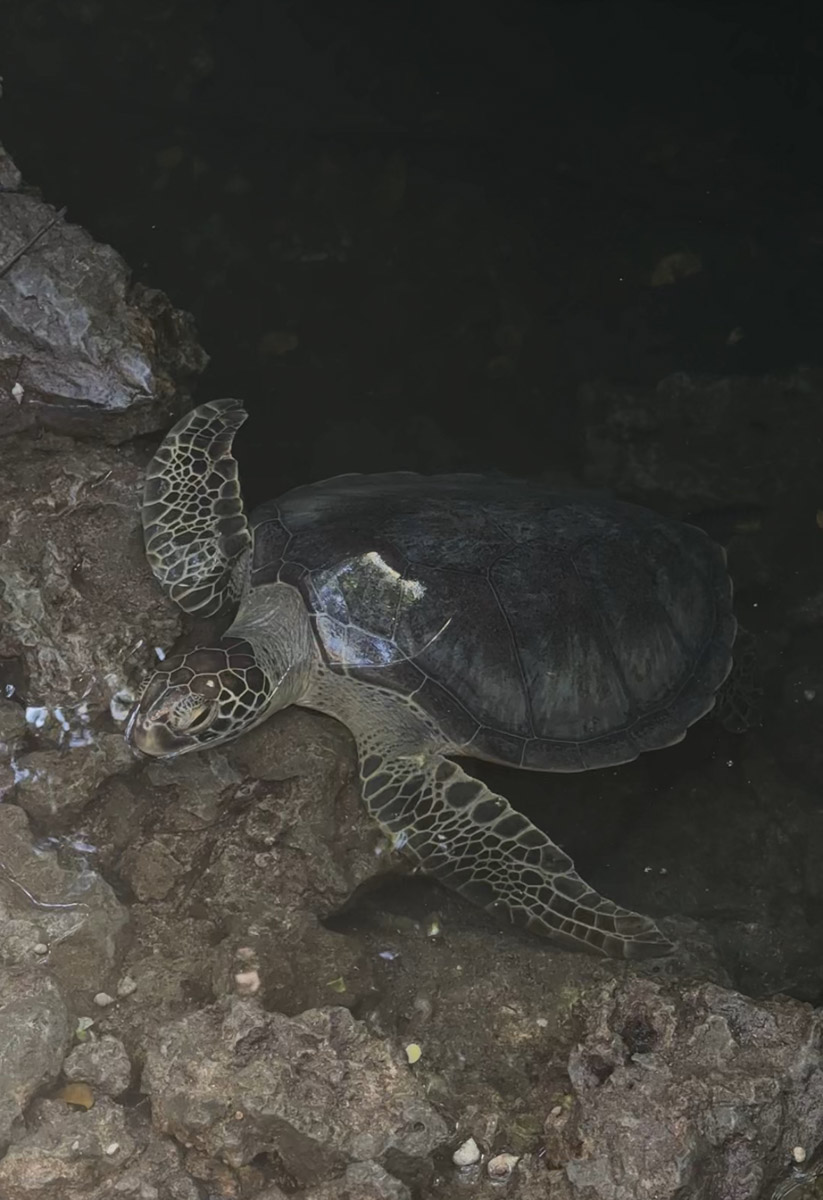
<point>474,841</point>
<point>194,527</point>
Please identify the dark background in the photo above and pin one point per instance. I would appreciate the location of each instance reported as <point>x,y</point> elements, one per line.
<point>408,230</point>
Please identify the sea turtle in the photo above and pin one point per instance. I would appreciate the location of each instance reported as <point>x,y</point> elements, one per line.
<point>451,615</point>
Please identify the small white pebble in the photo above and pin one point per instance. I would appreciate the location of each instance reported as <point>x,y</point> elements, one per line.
<point>41,948</point>
<point>557,1111</point>
<point>112,1148</point>
<point>103,999</point>
<point>809,694</point>
<point>248,982</point>
<point>502,1165</point>
<point>17,391</point>
<point>75,1145</point>
<point>799,1154</point>
<point>467,1154</point>
<point>126,986</point>
<point>542,1023</point>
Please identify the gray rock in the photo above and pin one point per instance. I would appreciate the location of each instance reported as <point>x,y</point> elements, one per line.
<point>12,726</point>
<point>102,1063</point>
<point>317,1091</point>
<point>12,731</point>
<point>361,1181</point>
<point>82,349</point>
<point>61,914</point>
<point>65,1154</point>
<point>34,1035</point>
<point>54,788</point>
<point>691,1091</point>
<point>156,1173</point>
<point>10,177</point>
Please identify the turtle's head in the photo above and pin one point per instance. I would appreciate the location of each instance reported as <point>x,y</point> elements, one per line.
<point>207,696</point>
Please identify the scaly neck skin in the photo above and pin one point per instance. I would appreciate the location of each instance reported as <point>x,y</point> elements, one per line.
<point>274,621</point>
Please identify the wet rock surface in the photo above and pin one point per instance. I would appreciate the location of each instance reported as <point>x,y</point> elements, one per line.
<point>102,1063</point>
<point>82,349</point>
<point>317,1092</point>
<point>79,612</point>
<point>704,1074</point>
<point>65,1154</point>
<point>360,1181</point>
<point>57,910</point>
<point>34,1036</point>
<point>233,861</point>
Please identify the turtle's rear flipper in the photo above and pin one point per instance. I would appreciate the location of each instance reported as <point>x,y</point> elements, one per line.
<point>473,841</point>
<point>194,527</point>
<point>739,704</point>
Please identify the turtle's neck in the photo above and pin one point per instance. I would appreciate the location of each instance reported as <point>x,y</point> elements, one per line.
<point>274,621</point>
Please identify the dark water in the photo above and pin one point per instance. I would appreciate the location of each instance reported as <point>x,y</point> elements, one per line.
<point>410,232</point>
<point>453,208</point>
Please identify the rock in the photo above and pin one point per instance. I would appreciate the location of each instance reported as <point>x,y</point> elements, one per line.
<point>236,859</point>
<point>82,349</point>
<point>54,788</point>
<point>10,177</point>
<point>64,1154</point>
<point>687,1091</point>
<point>12,732</point>
<point>66,908</point>
<point>156,1173</point>
<point>705,442</point>
<point>102,1063</point>
<point>466,1154</point>
<point>360,1181</point>
<point>34,1035</point>
<point>317,1091</point>
<point>79,608</point>
<point>151,870</point>
<point>12,727</point>
<point>501,1167</point>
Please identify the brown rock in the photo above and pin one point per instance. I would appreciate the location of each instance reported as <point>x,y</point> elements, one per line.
<point>318,1091</point>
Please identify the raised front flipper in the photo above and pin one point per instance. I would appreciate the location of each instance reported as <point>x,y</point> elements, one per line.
<point>473,841</point>
<point>194,527</point>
